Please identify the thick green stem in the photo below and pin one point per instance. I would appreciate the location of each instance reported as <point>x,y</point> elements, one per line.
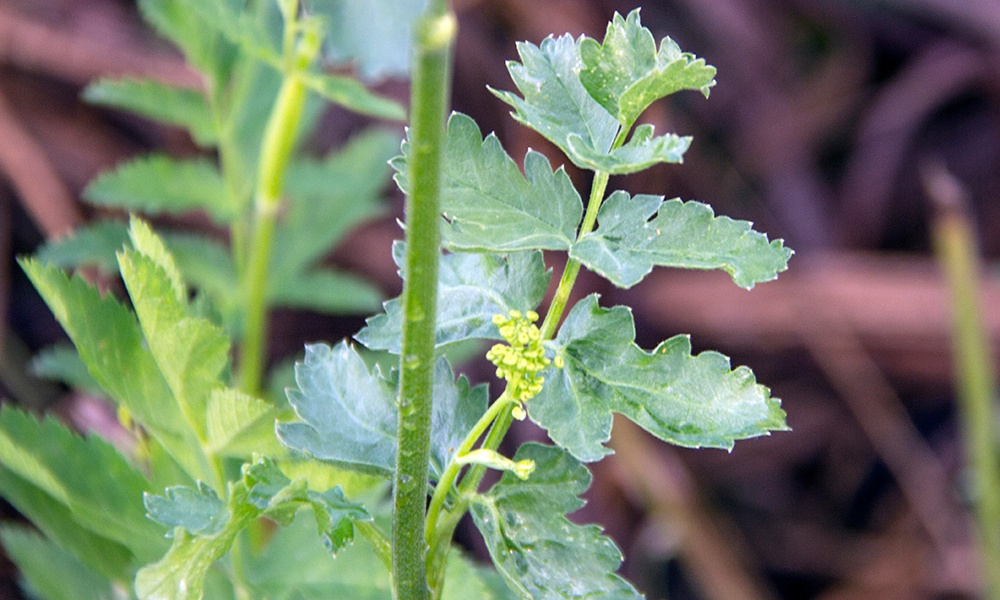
<point>433,39</point>
<point>973,358</point>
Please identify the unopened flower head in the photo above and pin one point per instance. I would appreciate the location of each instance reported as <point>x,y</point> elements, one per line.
<point>522,358</point>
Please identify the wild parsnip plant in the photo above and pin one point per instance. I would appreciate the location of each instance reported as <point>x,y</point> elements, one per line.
<point>206,461</point>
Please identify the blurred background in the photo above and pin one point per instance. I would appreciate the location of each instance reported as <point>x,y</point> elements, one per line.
<point>835,124</point>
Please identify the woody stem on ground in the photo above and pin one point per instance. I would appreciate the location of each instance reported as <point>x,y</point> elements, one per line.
<point>433,38</point>
<point>275,153</point>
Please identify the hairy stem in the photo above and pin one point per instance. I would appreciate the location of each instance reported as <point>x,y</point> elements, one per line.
<point>433,39</point>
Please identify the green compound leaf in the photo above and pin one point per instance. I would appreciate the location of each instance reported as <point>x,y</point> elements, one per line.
<point>472,288</point>
<point>349,415</point>
<point>555,103</point>
<point>693,401</point>
<point>177,106</point>
<point>489,205</point>
<point>49,571</point>
<point>111,344</point>
<point>626,73</point>
<point>205,527</point>
<point>636,234</point>
<point>158,184</point>
<point>178,21</point>
<point>537,550</point>
<point>86,475</point>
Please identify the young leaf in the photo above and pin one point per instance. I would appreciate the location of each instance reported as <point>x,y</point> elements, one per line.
<point>555,103</point>
<point>626,73</point>
<point>50,572</point>
<point>693,401</point>
<point>537,550</point>
<point>489,205</point>
<point>205,527</point>
<point>56,521</point>
<point>636,234</point>
<point>110,343</point>
<point>177,106</point>
<point>158,184</point>
<point>93,244</point>
<point>86,475</point>
<point>472,288</point>
<point>349,414</point>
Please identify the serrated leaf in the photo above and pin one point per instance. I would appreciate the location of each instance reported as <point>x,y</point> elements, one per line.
<point>191,352</point>
<point>489,205</point>
<point>693,401</point>
<point>256,29</point>
<point>110,343</point>
<point>636,234</point>
<point>237,425</point>
<point>199,511</point>
<point>555,103</point>
<point>56,521</point>
<point>643,150</point>
<point>626,73</point>
<point>349,93</point>
<point>93,244</point>
<point>50,572</point>
<point>62,363</point>
<point>158,184</point>
<point>349,415</point>
<point>376,34</point>
<point>538,551</point>
<point>183,107</point>
<point>151,246</point>
<point>87,475</point>
<point>472,288</point>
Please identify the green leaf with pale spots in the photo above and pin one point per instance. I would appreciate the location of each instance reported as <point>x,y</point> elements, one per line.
<point>643,150</point>
<point>540,553</point>
<point>489,205</point>
<point>626,73</point>
<point>472,288</point>
<point>689,400</point>
<point>349,415</point>
<point>636,234</point>
<point>555,103</point>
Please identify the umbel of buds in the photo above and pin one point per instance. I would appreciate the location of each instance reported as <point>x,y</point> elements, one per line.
<point>522,358</point>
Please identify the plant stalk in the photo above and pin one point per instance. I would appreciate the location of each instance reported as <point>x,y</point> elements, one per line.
<point>433,39</point>
<point>275,153</point>
<point>955,245</point>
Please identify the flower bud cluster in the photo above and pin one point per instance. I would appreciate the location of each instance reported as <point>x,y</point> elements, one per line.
<point>520,362</point>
